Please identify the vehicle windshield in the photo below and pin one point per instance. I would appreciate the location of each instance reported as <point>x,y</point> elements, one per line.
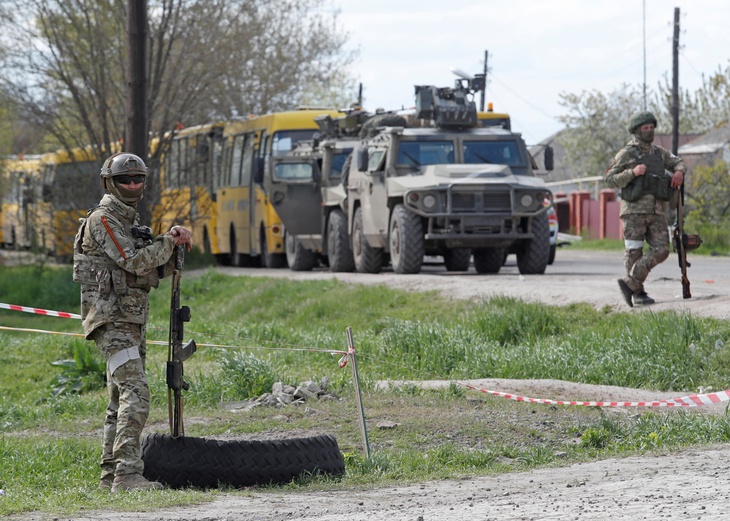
<point>495,152</point>
<point>420,153</point>
<point>338,161</point>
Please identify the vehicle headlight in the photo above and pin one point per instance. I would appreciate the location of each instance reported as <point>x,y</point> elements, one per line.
<point>429,201</point>
<point>526,200</point>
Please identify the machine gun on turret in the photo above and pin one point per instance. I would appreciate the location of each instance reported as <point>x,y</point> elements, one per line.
<point>450,107</point>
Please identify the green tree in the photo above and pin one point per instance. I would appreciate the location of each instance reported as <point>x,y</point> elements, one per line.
<point>596,124</point>
<point>709,201</point>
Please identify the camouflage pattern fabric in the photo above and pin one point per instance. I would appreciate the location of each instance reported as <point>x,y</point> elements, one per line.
<point>116,271</point>
<point>621,173</point>
<point>647,218</point>
<point>129,400</point>
<point>653,229</point>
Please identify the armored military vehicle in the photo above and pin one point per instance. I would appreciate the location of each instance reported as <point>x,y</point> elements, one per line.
<point>452,189</point>
<point>305,187</point>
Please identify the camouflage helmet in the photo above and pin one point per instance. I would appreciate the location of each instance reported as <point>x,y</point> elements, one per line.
<point>641,118</point>
<point>123,164</point>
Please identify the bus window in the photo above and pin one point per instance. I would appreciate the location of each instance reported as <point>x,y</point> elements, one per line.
<point>284,140</point>
<point>247,162</point>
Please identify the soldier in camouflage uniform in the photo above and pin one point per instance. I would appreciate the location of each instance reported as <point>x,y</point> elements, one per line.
<point>640,171</point>
<point>116,262</point>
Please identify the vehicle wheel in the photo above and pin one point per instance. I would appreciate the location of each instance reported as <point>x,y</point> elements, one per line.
<point>207,463</point>
<point>236,258</point>
<point>533,254</point>
<point>268,259</point>
<point>297,256</point>
<point>457,259</point>
<point>406,241</point>
<point>551,257</point>
<point>367,259</point>
<point>488,260</point>
<point>339,249</point>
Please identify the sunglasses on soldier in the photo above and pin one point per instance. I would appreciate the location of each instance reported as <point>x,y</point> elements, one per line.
<point>128,179</point>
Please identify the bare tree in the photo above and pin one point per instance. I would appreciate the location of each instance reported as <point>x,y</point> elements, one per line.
<point>64,62</point>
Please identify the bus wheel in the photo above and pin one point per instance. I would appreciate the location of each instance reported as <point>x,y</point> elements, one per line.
<point>209,463</point>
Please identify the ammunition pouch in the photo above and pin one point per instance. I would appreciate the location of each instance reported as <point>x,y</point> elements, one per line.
<point>649,184</point>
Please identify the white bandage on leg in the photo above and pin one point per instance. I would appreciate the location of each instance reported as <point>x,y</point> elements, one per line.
<point>633,245</point>
<point>122,357</point>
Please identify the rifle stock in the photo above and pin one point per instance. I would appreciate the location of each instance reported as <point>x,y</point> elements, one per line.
<point>679,238</point>
<point>177,352</point>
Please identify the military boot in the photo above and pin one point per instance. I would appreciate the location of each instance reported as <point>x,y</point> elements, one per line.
<point>106,481</point>
<point>134,482</point>
<point>626,291</point>
<point>642,299</point>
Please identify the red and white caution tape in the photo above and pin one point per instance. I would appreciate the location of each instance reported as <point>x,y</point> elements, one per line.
<point>38,311</point>
<point>693,400</point>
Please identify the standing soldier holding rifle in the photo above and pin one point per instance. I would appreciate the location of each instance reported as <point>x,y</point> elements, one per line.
<point>116,261</point>
<point>639,170</point>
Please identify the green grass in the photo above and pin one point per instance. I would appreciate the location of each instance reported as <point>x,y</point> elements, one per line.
<point>277,330</point>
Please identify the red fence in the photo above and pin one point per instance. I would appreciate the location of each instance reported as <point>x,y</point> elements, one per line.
<point>578,214</point>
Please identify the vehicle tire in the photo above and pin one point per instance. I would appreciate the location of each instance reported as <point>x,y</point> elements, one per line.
<point>457,259</point>
<point>551,257</point>
<point>367,259</point>
<point>533,254</point>
<point>208,463</point>
<point>339,248</point>
<point>488,260</point>
<point>406,241</point>
<point>268,259</point>
<point>297,256</point>
<point>237,259</point>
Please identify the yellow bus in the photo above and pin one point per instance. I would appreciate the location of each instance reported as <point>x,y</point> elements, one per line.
<point>187,194</point>
<point>69,187</point>
<point>489,118</point>
<point>249,231</point>
<point>18,178</point>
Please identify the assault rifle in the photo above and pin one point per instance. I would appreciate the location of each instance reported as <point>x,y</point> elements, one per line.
<point>177,353</point>
<point>682,243</point>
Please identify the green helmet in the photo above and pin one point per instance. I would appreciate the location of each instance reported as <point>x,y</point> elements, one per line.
<point>641,118</point>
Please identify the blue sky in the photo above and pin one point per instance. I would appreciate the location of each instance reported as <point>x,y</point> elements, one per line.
<point>537,49</point>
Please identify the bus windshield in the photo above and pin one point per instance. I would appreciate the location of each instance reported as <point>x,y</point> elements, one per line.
<point>285,140</point>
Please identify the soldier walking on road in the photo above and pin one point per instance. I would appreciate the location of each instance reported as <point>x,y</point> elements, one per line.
<point>116,261</point>
<point>640,171</point>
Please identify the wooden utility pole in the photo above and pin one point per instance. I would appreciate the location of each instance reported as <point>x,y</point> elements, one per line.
<point>675,83</point>
<point>484,90</point>
<point>135,139</point>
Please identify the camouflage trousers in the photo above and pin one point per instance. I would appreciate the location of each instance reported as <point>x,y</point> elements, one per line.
<point>129,398</point>
<point>638,228</point>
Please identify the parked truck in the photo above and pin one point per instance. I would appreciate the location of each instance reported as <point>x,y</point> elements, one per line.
<point>451,189</point>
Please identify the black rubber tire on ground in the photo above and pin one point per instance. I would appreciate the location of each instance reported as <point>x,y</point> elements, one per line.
<point>339,248</point>
<point>533,254</point>
<point>367,259</point>
<point>551,257</point>
<point>457,259</point>
<point>406,241</point>
<point>298,257</point>
<point>206,463</point>
<point>488,260</point>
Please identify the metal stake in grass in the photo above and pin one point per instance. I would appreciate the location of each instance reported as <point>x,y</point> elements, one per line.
<point>358,394</point>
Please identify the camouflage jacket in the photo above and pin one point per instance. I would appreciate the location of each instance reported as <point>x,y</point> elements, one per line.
<point>116,269</point>
<point>620,174</point>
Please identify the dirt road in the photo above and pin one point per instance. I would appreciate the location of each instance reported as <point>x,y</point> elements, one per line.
<point>693,484</point>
